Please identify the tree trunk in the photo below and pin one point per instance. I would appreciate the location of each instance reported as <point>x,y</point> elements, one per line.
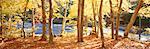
<point>33,24</point>
<point>44,21</point>
<point>97,11</point>
<point>23,19</point>
<point>112,19</point>
<point>64,20</point>
<point>9,23</point>
<point>50,22</point>
<point>82,15</point>
<point>23,28</point>
<point>94,16</point>
<point>140,27</point>
<point>100,23</point>
<point>1,21</point>
<point>79,23</point>
<point>133,18</point>
<point>118,19</point>
<point>63,25</point>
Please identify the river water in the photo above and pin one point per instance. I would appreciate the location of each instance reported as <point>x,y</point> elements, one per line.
<point>57,30</point>
<point>55,27</point>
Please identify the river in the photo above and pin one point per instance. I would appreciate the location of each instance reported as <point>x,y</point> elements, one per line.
<point>57,30</point>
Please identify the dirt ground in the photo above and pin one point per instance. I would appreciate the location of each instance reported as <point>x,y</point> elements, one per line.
<point>90,42</point>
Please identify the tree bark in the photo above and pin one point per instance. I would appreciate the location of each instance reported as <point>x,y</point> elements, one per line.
<point>1,27</point>
<point>112,19</point>
<point>133,18</point>
<point>33,24</point>
<point>9,23</point>
<point>97,11</point>
<point>80,21</point>
<point>94,16</point>
<point>23,18</point>
<point>64,20</point>
<point>82,15</point>
<point>118,19</point>
<point>100,23</point>
<point>1,21</point>
<point>50,22</point>
<point>44,21</point>
<point>140,27</point>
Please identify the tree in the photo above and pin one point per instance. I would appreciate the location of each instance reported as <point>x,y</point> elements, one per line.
<point>80,21</point>
<point>100,22</point>
<point>64,19</point>
<point>50,22</point>
<point>133,18</point>
<point>94,16</point>
<point>11,8</point>
<point>1,20</point>
<point>63,11</point>
<point>118,19</point>
<point>33,23</point>
<point>23,18</point>
<point>140,28</point>
<point>112,19</point>
<point>33,4</point>
<point>144,11</point>
<point>44,21</point>
<point>82,15</point>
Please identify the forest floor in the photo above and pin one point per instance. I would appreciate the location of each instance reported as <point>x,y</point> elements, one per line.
<point>90,42</point>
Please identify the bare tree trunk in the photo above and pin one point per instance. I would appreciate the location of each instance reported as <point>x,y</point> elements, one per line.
<point>140,28</point>
<point>112,19</point>
<point>50,22</point>
<point>9,23</point>
<point>23,19</point>
<point>133,18</point>
<point>44,21</point>
<point>100,23</point>
<point>80,21</point>
<point>82,15</point>
<point>63,25</point>
<point>118,19</point>
<point>1,21</point>
<point>64,20</point>
<point>33,24</point>
<point>94,16</point>
<point>97,11</point>
<point>1,27</point>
